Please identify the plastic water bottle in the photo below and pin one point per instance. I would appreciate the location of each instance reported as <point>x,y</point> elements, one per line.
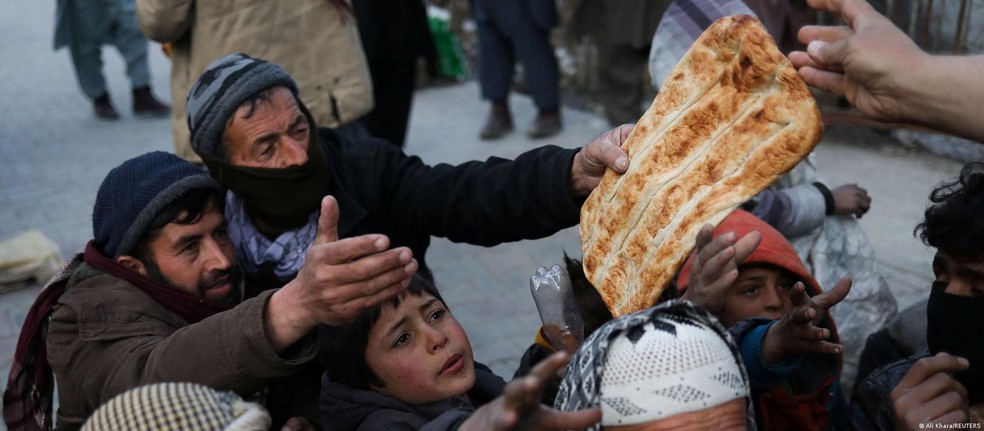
<point>554,297</point>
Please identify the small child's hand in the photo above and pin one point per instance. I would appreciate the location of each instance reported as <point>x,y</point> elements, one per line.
<point>519,408</point>
<point>797,332</point>
<point>715,266</point>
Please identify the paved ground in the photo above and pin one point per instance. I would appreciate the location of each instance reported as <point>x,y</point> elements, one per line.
<point>53,154</point>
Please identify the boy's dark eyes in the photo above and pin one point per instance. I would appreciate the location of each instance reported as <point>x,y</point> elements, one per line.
<point>401,340</point>
<point>437,314</point>
<point>750,290</point>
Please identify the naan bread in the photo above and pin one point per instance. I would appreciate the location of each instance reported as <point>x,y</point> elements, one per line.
<point>732,118</point>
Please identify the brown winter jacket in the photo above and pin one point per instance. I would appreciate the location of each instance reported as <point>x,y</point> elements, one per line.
<point>106,336</point>
<point>315,41</point>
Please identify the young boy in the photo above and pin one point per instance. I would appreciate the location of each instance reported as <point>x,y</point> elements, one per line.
<point>407,364</point>
<point>750,277</point>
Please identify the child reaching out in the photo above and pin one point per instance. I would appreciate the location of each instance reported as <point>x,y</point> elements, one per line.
<point>407,365</point>
<point>750,277</point>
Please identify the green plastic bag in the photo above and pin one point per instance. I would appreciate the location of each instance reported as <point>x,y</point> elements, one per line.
<point>450,56</point>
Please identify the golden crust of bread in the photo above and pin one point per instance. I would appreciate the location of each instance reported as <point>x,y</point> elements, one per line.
<point>732,118</point>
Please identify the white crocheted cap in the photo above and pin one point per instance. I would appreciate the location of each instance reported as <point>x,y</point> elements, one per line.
<point>656,371</point>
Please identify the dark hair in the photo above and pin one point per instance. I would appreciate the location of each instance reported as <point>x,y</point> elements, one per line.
<point>342,349</point>
<point>955,222</point>
<point>594,312</point>
<point>250,104</point>
<point>186,209</point>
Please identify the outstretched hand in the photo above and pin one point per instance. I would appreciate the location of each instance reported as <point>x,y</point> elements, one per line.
<point>603,153</point>
<point>859,61</point>
<point>519,408</point>
<point>715,266</point>
<point>339,279</point>
<point>797,332</point>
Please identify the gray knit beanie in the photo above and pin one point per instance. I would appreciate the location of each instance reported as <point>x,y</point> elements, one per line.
<point>178,406</point>
<point>223,86</point>
<point>133,193</point>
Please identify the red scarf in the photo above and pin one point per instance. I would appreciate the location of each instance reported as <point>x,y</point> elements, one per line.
<point>27,400</point>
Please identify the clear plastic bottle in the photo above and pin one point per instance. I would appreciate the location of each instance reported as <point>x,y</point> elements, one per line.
<point>554,297</point>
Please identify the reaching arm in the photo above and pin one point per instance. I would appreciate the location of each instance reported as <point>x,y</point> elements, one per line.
<point>887,77</point>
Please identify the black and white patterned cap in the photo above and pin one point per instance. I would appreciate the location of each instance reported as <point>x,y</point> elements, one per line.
<point>656,363</point>
<point>178,406</point>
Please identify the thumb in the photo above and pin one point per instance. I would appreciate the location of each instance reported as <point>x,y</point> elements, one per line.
<point>328,221</point>
<point>829,55</point>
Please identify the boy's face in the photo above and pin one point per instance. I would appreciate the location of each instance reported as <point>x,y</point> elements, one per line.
<point>758,292</point>
<point>420,352</point>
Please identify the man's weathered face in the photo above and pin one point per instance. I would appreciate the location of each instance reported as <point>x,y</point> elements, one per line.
<point>276,134</point>
<point>959,276</point>
<point>197,258</point>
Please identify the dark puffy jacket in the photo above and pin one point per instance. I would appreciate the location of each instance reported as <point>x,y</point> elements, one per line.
<point>346,409</point>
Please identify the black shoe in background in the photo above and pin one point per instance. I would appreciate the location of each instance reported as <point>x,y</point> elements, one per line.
<point>146,105</point>
<point>104,108</point>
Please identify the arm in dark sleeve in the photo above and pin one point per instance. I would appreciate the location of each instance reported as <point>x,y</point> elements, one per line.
<point>792,211</point>
<point>749,335</point>
<point>486,203</point>
<point>227,351</point>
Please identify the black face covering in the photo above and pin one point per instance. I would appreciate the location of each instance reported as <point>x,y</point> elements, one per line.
<point>282,197</point>
<point>955,324</point>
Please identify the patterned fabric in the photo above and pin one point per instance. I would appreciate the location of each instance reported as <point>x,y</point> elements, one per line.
<point>253,249</point>
<point>178,406</point>
<point>588,371</point>
<point>683,22</point>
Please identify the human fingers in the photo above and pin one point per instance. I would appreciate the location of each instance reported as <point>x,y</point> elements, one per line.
<point>925,368</point>
<point>340,304</point>
<point>816,77</point>
<point>746,245</point>
<point>704,237</point>
<point>619,134</point>
<point>798,296</point>
<point>369,266</point>
<point>606,151</point>
<point>940,404</point>
<point>715,265</point>
<point>830,56</point>
<point>327,221</point>
<point>834,296</point>
<point>825,33</point>
<point>349,249</point>
<point>716,246</point>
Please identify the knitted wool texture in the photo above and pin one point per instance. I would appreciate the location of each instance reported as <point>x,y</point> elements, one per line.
<point>226,84</point>
<point>133,193</point>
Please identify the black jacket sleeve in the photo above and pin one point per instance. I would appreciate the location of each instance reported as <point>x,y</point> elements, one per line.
<point>485,203</point>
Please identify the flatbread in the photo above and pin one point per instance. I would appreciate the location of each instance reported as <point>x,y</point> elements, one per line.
<point>732,118</point>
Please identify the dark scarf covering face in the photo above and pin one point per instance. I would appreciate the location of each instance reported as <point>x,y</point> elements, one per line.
<point>27,400</point>
<point>955,324</point>
<point>283,197</point>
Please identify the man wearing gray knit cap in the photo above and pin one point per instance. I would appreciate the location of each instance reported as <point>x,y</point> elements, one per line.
<point>250,127</point>
<point>157,296</point>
